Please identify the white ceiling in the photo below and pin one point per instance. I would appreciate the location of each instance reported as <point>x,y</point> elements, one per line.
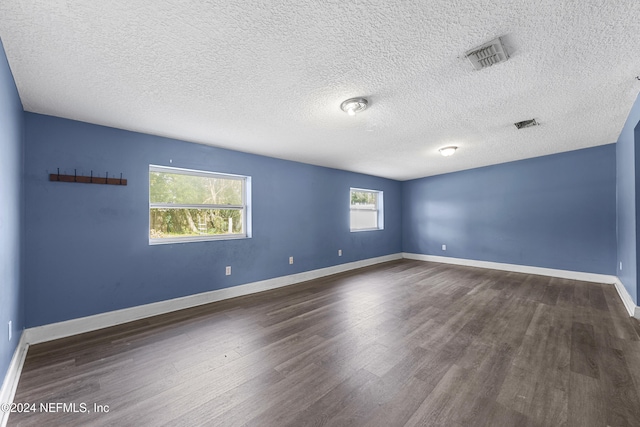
<point>268,77</point>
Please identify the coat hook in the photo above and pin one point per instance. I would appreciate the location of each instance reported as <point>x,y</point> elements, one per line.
<point>106,179</point>
<point>58,177</point>
<point>120,178</point>
<point>75,175</point>
<point>91,179</point>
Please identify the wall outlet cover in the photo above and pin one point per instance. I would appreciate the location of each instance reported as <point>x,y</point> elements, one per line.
<point>290,260</point>
<point>444,247</point>
<point>227,270</point>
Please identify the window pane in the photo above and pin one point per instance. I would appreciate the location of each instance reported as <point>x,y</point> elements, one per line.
<point>176,188</point>
<point>170,223</point>
<point>363,219</point>
<point>364,199</point>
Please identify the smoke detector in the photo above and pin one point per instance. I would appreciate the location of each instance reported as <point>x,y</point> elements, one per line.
<point>488,54</point>
<point>526,124</point>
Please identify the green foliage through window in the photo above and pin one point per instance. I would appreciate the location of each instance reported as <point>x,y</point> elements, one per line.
<point>364,198</point>
<point>195,205</point>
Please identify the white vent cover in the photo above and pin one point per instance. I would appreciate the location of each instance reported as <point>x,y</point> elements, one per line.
<point>488,54</point>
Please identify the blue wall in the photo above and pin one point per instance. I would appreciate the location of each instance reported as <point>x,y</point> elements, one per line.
<point>87,245</point>
<point>11,154</point>
<point>637,206</point>
<point>627,170</point>
<point>555,211</point>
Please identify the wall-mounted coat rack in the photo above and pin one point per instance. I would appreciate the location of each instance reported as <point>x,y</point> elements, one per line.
<point>87,179</point>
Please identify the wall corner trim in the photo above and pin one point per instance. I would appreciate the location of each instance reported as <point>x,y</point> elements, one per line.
<point>10,383</point>
<point>632,309</point>
<point>53,331</point>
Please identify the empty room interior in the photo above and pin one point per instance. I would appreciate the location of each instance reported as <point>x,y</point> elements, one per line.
<point>319,213</point>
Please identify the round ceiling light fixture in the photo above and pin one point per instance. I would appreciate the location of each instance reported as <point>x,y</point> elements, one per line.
<point>448,151</point>
<point>354,105</point>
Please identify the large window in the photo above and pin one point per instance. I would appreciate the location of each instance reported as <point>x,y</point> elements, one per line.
<point>187,205</point>
<point>366,210</point>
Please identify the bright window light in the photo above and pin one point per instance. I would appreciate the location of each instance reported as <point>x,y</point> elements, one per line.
<point>366,210</point>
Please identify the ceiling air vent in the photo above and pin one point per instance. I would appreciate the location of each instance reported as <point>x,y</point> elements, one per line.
<point>526,124</point>
<point>488,54</point>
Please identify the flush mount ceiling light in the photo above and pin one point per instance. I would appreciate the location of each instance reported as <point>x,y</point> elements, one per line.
<point>354,105</point>
<point>448,151</point>
<point>488,54</point>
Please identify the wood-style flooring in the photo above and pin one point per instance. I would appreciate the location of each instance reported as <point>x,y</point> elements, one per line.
<point>402,343</point>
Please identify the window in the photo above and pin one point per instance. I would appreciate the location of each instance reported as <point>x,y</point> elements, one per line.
<point>366,210</point>
<point>187,205</point>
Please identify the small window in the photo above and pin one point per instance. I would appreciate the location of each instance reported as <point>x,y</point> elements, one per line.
<point>366,210</point>
<point>188,205</point>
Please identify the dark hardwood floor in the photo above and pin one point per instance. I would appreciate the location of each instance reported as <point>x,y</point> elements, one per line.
<point>402,343</point>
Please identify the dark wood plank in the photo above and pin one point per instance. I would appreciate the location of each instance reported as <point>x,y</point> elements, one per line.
<point>323,409</point>
<point>584,353</point>
<point>621,397</point>
<point>587,405</point>
<point>551,293</point>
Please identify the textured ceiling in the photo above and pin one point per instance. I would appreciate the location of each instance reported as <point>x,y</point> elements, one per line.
<point>268,76</point>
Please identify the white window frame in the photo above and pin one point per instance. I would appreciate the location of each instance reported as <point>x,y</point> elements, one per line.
<point>244,207</point>
<point>379,209</point>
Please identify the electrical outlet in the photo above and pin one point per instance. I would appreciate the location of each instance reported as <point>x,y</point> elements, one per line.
<point>227,271</point>
<point>290,260</point>
<point>339,252</point>
<point>10,329</point>
<point>620,265</point>
<point>444,247</point>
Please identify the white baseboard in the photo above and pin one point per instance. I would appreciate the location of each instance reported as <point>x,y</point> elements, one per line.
<point>71,327</point>
<point>632,309</point>
<point>10,383</point>
<point>541,271</point>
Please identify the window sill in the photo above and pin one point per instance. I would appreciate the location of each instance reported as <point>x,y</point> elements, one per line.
<point>357,230</point>
<point>172,240</point>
